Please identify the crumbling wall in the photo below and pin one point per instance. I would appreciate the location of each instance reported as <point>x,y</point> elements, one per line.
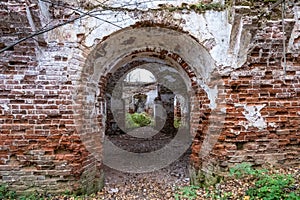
<point>40,147</point>
<point>250,112</point>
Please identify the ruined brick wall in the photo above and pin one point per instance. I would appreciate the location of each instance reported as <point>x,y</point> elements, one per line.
<point>257,107</point>
<point>262,100</point>
<point>39,146</point>
<point>262,120</point>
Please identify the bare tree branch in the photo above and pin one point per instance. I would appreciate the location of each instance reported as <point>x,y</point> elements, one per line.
<point>82,12</point>
<point>278,2</point>
<point>44,30</point>
<point>41,32</point>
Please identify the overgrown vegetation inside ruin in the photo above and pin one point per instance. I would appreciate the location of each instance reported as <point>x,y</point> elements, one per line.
<point>246,182</point>
<point>136,120</point>
<point>267,185</point>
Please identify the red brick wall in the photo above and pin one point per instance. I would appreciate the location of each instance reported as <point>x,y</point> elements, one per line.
<point>40,146</point>
<point>262,81</point>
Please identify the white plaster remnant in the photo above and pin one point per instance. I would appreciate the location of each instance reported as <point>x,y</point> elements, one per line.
<point>236,49</point>
<point>272,124</point>
<point>65,33</point>
<point>220,30</point>
<point>170,78</point>
<point>90,98</point>
<point>215,35</point>
<point>235,132</point>
<point>206,28</point>
<point>212,94</point>
<point>253,115</point>
<point>164,68</point>
<point>5,107</point>
<point>18,77</point>
<point>144,4</point>
<point>29,17</point>
<point>44,12</point>
<point>293,46</point>
<point>223,110</point>
<point>238,105</point>
<point>99,29</point>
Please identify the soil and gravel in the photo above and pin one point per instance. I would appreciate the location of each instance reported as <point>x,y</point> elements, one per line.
<point>164,183</point>
<point>159,184</point>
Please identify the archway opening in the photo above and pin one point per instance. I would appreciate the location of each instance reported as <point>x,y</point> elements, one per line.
<point>128,93</point>
<point>179,71</point>
<point>140,98</point>
<point>139,92</point>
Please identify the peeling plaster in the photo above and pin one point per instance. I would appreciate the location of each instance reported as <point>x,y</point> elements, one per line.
<point>212,94</point>
<point>201,26</point>
<point>235,132</point>
<point>90,98</point>
<point>293,46</point>
<point>44,12</point>
<point>18,77</point>
<point>5,107</point>
<point>220,29</point>
<point>66,34</point>
<point>146,4</point>
<point>215,35</point>
<point>99,29</point>
<point>272,124</point>
<point>253,116</point>
<point>29,18</point>
<point>170,78</point>
<point>164,68</point>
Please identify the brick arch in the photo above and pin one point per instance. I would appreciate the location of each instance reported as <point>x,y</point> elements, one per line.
<point>133,47</point>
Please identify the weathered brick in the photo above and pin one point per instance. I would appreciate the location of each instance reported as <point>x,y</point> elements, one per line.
<point>37,87</point>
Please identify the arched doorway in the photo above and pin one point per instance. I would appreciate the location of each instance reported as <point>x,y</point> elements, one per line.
<point>171,56</point>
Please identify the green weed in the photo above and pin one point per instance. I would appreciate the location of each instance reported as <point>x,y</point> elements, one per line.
<point>5,193</point>
<point>274,187</point>
<point>136,120</point>
<point>189,192</point>
<point>245,169</point>
<point>267,186</point>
